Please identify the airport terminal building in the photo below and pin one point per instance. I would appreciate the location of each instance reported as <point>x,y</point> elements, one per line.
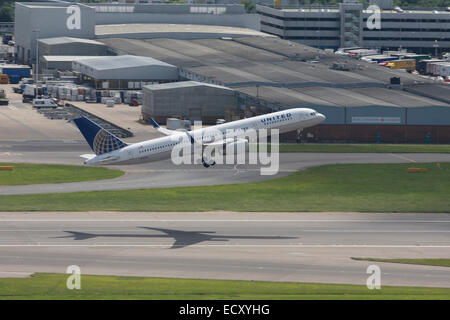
<point>421,31</point>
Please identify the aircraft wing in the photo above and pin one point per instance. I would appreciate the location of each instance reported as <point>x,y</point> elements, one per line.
<point>183,238</point>
<point>223,142</point>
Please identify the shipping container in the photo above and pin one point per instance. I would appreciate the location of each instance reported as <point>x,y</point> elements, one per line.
<point>432,67</point>
<point>442,69</point>
<point>421,66</point>
<point>402,64</point>
<point>4,79</point>
<point>14,79</point>
<point>16,70</point>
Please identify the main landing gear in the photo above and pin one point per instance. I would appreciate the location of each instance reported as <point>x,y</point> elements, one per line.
<point>207,163</point>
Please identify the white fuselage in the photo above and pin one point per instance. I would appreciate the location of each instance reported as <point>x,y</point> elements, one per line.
<point>161,148</point>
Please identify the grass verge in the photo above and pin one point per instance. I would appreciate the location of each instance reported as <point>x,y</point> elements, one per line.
<point>25,173</point>
<point>426,262</point>
<point>343,187</point>
<point>364,148</point>
<point>53,286</point>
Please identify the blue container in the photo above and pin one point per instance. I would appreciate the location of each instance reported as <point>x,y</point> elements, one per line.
<point>14,79</point>
<point>23,72</point>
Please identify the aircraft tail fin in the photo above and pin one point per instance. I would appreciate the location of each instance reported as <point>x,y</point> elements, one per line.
<point>100,140</point>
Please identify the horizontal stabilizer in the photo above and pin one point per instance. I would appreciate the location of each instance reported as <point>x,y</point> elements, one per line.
<point>88,156</point>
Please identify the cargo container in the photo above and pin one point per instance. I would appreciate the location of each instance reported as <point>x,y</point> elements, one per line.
<point>362,52</point>
<point>421,66</point>
<point>417,57</point>
<point>379,58</point>
<point>4,79</point>
<point>408,65</point>
<point>16,70</point>
<point>442,69</point>
<point>14,79</point>
<point>432,66</point>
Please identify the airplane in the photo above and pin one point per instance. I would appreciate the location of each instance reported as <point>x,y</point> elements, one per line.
<point>109,149</point>
<point>182,238</point>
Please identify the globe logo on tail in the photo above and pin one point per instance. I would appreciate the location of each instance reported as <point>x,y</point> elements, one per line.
<point>105,142</point>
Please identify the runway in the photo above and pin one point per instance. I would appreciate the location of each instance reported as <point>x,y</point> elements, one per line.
<point>165,174</point>
<point>303,247</point>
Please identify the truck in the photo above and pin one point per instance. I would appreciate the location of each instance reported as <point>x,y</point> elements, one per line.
<point>407,64</point>
<point>3,100</point>
<point>29,93</point>
<point>6,38</point>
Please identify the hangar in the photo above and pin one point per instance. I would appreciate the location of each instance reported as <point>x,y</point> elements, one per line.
<point>50,65</point>
<point>124,72</point>
<point>60,47</point>
<point>189,100</point>
<point>68,46</point>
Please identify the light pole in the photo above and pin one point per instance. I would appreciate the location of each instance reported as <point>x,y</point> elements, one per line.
<point>37,56</point>
<point>436,46</point>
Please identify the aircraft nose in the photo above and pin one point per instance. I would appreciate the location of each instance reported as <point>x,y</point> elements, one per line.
<point>322,117</point>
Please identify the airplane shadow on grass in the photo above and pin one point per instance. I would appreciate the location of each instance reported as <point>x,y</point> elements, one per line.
<point>182,238</point>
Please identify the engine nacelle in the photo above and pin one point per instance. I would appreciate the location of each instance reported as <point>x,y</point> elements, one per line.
<point>237,147</point>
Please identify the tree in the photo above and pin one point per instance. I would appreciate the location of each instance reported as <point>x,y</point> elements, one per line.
<point>7,12</point>
<point>250,7</point>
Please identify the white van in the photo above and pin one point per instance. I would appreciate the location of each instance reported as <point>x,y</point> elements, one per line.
<point>44,103</point>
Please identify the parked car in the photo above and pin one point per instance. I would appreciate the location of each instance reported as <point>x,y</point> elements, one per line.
<point>133,103</point>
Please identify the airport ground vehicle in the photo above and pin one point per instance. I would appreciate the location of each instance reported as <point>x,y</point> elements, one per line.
<point>17,90</point>
<point>44,103</point>
<point>30,92</point>
<point>6,38</point>
<point>133,103</point>
<point>3,100</point>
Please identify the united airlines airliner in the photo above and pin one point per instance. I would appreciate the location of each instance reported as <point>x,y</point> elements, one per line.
<point>109,149</point>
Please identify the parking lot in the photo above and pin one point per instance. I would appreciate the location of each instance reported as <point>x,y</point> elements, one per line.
<point>21,122</point>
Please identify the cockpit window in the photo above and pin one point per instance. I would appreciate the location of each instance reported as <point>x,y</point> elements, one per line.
<point>312,113</point>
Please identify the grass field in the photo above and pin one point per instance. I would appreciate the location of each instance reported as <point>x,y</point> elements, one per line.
<point>364,148</point>
<point>426,262</point>
<point>53,286</point>
<point>344,187</point>
<point>46,173</point>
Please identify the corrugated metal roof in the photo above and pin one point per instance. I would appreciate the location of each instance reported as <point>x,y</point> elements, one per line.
<point>182,84</point>
<point>66,58</point>
<point>286,73</point>
<point>120,62</point>
<point>65,40</point>
<point>159,28</point>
